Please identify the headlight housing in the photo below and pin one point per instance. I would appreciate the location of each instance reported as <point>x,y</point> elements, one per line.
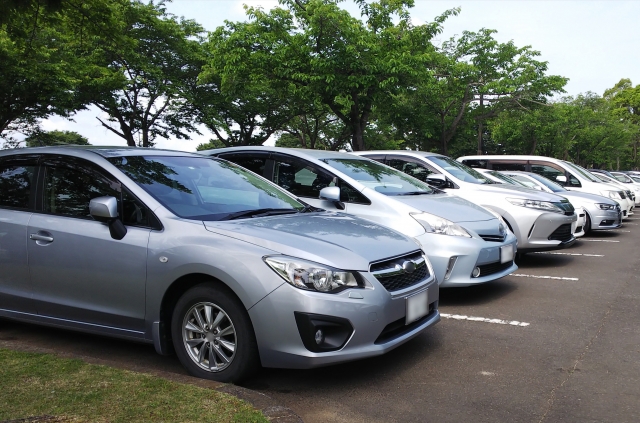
<point>603,206</point>
<point>437,225</point>
<point>611,194</point>
<point>535,204</point>
<point>312,276</point>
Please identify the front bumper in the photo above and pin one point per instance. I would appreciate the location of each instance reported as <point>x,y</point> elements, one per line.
<point>578,226</point>
<point>535,235</point>
<point>372,317</point>
<point>469,253</point>
<point>605,219</point>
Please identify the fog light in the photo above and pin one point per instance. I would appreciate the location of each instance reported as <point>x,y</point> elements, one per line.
<point>476,272</point>
<point>319,337</point>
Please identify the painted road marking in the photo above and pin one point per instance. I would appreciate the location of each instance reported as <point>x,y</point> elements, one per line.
<point>484,319</point>
<point>613,230</point>
<point>544,277</point>
<point>599,240</point>
<point>634,224</point>
<point>568,254</point>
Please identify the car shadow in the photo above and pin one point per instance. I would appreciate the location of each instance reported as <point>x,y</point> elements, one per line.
<point>539,261</point>
<point>601,234</point>
<point>477,294</point>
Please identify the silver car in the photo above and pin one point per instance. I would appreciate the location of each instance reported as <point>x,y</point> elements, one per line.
<point>198,254</point>
<point>601,212</point>
<point>466,244</point>
<point>539,220</point>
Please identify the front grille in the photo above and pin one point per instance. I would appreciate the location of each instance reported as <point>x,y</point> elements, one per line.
<point>493,238</point>
<point>491,268</point>
<point>394,277</point>
<point>567,207</point>
<point>563,233</point>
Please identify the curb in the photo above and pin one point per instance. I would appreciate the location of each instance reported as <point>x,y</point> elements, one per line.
<point>273,411</point>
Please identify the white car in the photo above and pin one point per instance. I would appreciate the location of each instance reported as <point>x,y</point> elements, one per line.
<point>601,213</point>
<point>465,243</point>
<point>629,184</point>
<point>567,174</point>
<point>541,221</point>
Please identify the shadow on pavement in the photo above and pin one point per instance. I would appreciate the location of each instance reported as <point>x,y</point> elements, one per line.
<point>476,295</point>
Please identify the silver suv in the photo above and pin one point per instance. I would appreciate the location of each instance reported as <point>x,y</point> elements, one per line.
<point>198,254</point>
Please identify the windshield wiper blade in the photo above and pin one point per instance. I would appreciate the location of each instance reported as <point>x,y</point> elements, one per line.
<point>258,213</point>
<point>416,193</point>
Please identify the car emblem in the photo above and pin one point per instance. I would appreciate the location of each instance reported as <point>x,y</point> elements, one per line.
<point>409,266</point>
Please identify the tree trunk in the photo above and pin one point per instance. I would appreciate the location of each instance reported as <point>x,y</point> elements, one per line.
<point>480,126</point>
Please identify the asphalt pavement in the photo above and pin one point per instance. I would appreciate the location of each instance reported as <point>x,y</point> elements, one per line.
<point>558,341</point>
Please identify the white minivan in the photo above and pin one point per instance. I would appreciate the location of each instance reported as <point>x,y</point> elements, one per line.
<point>567,174</point>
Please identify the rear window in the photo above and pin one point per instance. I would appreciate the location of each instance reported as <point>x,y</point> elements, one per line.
<point>16,183</point>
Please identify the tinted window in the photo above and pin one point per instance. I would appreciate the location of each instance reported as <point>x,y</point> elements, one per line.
<point>203,188</point>
<point>411,168</point>
<point>68,191</point>
<point>482,164</point>
<point>509,166</point>
<point>460,171</point>
<point>16,184</point>
<point>548,183</point>
<point>254,162</point>
<point>549,172</point>
<point>301,178</point>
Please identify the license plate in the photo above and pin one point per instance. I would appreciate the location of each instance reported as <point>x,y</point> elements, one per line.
<point>506,253</point>
<point>417,307</point>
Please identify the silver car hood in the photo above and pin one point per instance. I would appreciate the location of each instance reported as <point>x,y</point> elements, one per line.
<point>335,239</point>
<point>521,192</point>
<point>447,206</point>
<point>586,197</point>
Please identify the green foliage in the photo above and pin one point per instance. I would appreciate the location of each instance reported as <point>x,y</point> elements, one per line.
<point>213,143</point>
<point>41,139</point>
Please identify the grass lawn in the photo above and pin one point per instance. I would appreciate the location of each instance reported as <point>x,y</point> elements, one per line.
<point>41,384</point>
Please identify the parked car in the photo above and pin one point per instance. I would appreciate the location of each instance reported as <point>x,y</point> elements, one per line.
<point>199,254</point>
<point>630,188</point>
<point>465,243</point>
<point>506,178</point>
<point>601,213</point>
<point>629,179</point>
<point>540,221</point>
<point>567,174</point>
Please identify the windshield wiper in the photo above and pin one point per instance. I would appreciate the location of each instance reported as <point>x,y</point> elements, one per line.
<point>416,193</point>
<point>258,213</point>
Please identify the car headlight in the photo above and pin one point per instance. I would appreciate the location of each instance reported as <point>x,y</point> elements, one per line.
<point>437,225</point>
<point>603,206</point>
<point>611,194</point>
<point>535,204</point>
<point>312,276</point>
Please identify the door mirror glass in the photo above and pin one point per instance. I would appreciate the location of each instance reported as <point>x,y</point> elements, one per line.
<point>104,207</point>
<point>330,194</point>
<point>438,181</point>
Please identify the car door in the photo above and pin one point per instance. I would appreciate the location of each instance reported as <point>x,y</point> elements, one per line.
<point>17,197</point>
<point>78,271</point>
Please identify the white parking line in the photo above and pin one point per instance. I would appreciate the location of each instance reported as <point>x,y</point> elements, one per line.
<point>569,254</point>
<point>613,230</point>
<point>599,240</point>
<point>544,277</point>
<point>634,224</point>
<point>484,319</point>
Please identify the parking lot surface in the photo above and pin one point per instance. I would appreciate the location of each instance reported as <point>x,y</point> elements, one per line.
<point>557,341</point>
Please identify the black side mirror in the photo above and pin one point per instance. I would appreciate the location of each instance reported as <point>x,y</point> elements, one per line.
<point>438,181</point>
<point>105,209</point>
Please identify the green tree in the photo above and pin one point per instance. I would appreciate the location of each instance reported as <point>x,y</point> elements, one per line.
<point>624,100</point>
<point>41,139</point>
<point>143,81</point>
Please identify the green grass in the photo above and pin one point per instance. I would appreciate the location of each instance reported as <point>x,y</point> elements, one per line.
<point>42,384</point>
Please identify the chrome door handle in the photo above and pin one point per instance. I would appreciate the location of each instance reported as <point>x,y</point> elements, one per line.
<point>37,237</point>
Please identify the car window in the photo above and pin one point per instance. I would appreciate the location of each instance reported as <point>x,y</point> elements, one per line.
<point>202,188</point>
<point>17,182</point>
<point>548,183</point>
<point>622,178</point>
<point>417,170</point>
<point>68,190</point>
<point>551,171</point>
<point>460,171</point>
<point>381,178</point>
<point>300,177</point>
<point>582,171</point>
<point>255,162</point>
<point>510,180</point>
<point>509,166</point>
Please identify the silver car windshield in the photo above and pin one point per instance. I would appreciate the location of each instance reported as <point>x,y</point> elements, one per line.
<point>508,179</point>
<point>623,178</point>
<point>635,178</point>
<point>381,178</point>
<point>206,189</point>
<point>460,171</point>
<point>547,183</point>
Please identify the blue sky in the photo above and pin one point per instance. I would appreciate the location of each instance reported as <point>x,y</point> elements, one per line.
<point>593,43</point>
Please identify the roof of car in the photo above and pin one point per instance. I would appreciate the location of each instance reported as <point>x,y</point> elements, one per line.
<point>408,152</point>
<point>104,151</point>
<point>298,152</point>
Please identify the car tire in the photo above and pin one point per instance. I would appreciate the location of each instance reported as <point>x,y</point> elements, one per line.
<point>587,224</point>
<point>213,336</point>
